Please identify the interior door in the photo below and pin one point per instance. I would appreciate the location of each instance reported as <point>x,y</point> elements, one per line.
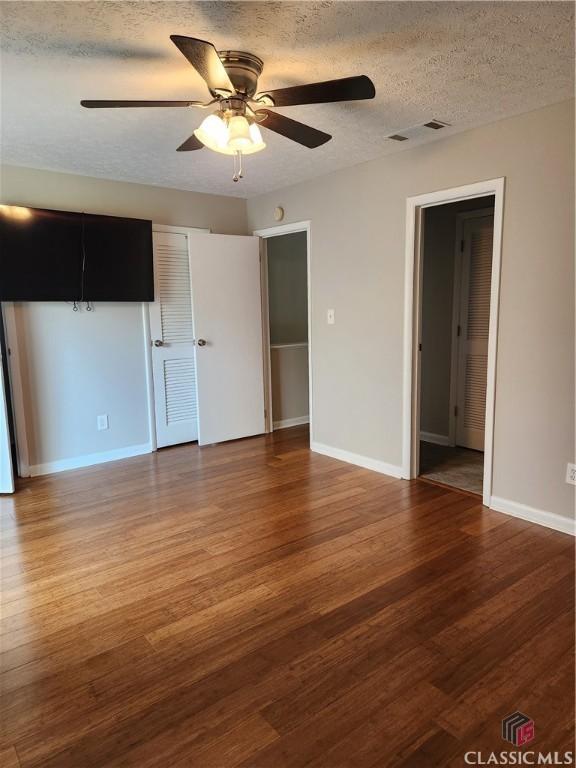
<point>228,323</point>
<point>474,323</point>
<point>172,333</point>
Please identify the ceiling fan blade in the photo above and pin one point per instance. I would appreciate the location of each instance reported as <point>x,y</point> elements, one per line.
<point>190,144</point>
<point>103,104</point>
<point>292,129</point>
<point>345,89</point>
<point>205,60</point>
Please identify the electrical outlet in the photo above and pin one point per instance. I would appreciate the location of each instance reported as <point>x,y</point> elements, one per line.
<point>571,474</point>
<point>102,421</point>
<point>330,317</point>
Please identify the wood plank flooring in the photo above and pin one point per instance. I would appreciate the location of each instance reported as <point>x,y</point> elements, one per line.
<point>254,604</point>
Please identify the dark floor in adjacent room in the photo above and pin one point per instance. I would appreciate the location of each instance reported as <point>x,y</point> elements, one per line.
<point>455,466</point>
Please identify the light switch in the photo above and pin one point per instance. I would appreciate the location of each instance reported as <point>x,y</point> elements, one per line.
<point>330,318</point>
<point>102,421</point>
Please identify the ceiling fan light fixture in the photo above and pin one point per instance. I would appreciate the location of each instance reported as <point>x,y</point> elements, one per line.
<point>232,80</point>
<point>255,142</point>
<point>213,133</point>
<point>228,136</point>
<point>256,136</point>
<point>239,133</point>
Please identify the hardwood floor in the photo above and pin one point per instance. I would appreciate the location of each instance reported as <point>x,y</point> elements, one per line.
<point>255,604</point>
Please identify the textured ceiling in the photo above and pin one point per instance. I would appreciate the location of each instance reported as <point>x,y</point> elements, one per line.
<point>464,63</point>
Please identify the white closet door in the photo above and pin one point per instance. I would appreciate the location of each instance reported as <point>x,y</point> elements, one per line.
<point>173,353</point>
<point>474,325</point>
<point>228,324</point>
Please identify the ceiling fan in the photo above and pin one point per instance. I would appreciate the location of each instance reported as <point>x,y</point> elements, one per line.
<point>232,79</point>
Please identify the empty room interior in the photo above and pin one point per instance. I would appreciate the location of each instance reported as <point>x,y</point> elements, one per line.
<point>287,403</point>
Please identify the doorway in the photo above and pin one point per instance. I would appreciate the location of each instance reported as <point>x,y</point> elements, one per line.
<point>286,311</point>
<point>453,264</point>
<point>455,309</point>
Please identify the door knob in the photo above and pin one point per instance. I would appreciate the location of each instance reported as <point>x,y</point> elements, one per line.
<point>201,342</point>
<point>158,343</point>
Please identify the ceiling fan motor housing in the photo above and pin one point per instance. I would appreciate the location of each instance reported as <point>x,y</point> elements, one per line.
<point>243,69</point>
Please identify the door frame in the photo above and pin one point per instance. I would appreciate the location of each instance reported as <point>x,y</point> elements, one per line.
<point>415,206</point>
<point>147,336</point>
<point>16,389</point>
<point>461,219</point>
<point>264,234</point>
<point>7,431</point>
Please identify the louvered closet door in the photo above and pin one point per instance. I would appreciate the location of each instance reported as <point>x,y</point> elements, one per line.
<point>173,351</point>
<point>474,325</point>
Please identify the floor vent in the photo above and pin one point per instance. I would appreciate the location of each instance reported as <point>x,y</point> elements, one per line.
<point>418,131</point>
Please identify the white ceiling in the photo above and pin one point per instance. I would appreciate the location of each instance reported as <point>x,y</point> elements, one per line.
<point>464,63</point>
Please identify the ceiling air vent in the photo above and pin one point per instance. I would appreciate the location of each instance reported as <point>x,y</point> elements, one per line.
<point>418,131</point>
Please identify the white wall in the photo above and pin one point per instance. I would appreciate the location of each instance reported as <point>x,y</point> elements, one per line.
<point>289,370</point>
<point>287,288</point>
<point>357,267</point>
<point>65,191</point>
<point>77,365</point>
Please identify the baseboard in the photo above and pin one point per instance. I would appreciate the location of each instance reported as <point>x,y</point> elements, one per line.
<point>432,437</point>
<point>532,515</point>
<point>284,423</point>
<point>356,458</point>
<point>89,459</point>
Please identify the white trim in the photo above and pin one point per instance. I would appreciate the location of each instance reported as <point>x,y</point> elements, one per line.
<point>16,390</point>
<point>266,352</point>
<point>90,459</point>
<point>493,340</point>
<point>432,437</point>
<point>178,230</point>
<point>295,422</point>
<point>357,459</point>
<point>289,346</point>
<point>413,245</point>
<point>532,515</point>
<point>282,229</point>
<point>149,375</point>
<point>410,246</point>
<point>286,229</point>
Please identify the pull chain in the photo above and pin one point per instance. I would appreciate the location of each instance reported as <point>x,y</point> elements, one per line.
<point>237,166</point>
